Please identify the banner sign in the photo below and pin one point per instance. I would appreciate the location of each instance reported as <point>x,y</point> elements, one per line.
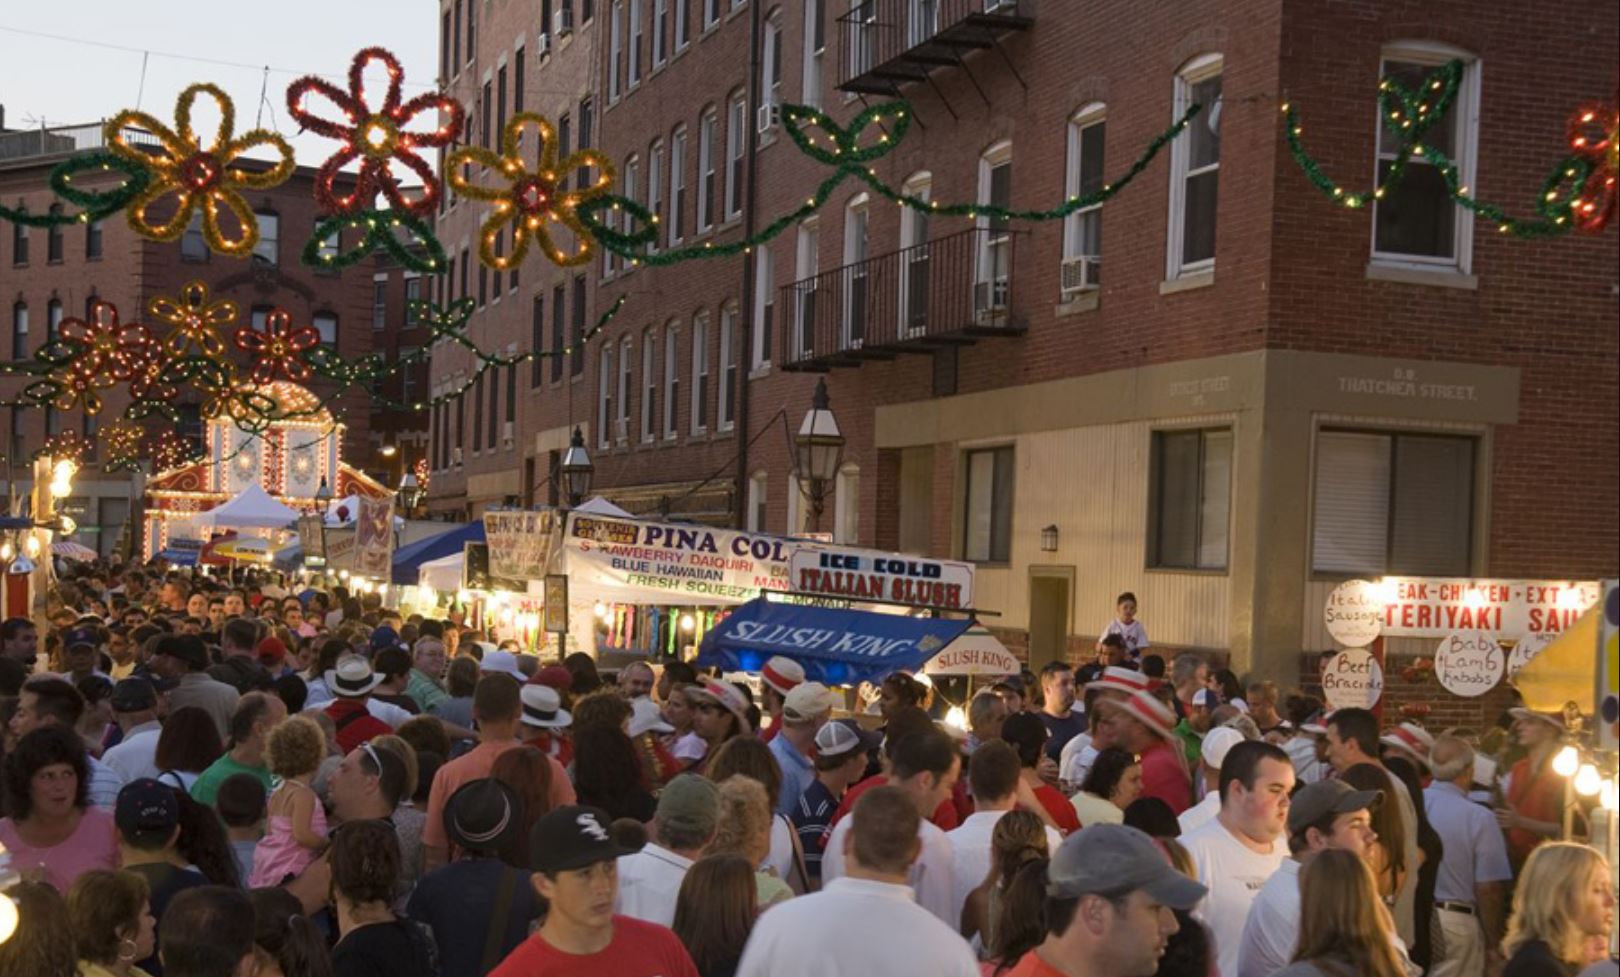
<point>556,603</point>
<point>1352,679</point>
<point>852,575</point>
<point>975,653</point>
<point>310,538</point>
<point>520,543</point>
<point>835,646</point>
<point>1469,663</point>
<point>1434,607</point>
<point>1354,614</point>
<point>475,566</point>
<point>664,562</point>
<point>374,537</point>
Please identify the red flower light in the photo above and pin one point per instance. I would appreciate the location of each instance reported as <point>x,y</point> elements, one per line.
<point>277,348</point>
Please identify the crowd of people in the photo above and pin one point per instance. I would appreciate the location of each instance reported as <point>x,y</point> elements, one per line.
<point>233,778</point>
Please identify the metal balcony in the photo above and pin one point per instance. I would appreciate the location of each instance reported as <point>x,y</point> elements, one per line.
<point>951,291</point>
<point>889,43</point>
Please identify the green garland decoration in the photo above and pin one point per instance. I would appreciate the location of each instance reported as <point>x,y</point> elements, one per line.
<point>1409,116</point>
<point>379,227</point>
<point>97,204</point>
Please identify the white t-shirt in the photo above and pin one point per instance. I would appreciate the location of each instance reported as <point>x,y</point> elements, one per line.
<point>1134,633</point>
<point>1075,761</point>
<point>1201,813</point>
<point>649,883</point>
<point>135,757</point>
<point>970,852</point>
<point>855,927</point>
<point>1301,750</point>
<point>1234,874</point>
<point>1272,930</point>
<point>780,858</point>
<point>933,874</point>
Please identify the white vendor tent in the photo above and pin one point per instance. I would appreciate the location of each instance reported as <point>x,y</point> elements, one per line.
<point>598,506</point>
<point>252,509</point>
<point>443,574</point>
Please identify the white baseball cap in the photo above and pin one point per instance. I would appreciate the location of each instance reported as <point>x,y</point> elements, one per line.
<point>503,662</point>
<point>1217,743</point>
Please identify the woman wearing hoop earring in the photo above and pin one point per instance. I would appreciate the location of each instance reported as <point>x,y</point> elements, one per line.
<point>111,915</point>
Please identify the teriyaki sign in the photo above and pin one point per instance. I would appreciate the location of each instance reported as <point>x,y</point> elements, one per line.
<point>858,576</point>
<point>1435,607</point>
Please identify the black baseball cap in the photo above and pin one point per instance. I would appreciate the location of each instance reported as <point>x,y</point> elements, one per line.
<point>187,647</point>
<point>134,694</point>
<point>146,809</point>
<point>82,635</point>
<point>572,837</point>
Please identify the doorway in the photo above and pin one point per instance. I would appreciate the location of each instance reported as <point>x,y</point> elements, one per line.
<point>1051,591</point>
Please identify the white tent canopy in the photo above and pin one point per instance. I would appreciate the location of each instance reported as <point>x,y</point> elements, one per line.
<point>252,509</point>
<point>598,506</point>
<point>442,574</point>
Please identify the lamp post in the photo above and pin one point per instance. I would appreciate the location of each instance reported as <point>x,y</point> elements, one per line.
<point>410,492</point>
<point>323,501</point>
<point>576,470</point>
<point>818,451</point>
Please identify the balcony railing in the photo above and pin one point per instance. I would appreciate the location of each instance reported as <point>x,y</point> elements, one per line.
<point>62,140</point>
<point>888,43</point>
<point>949,291</point>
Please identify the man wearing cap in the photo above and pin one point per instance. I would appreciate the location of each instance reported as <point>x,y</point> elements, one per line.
<point>805,709</point>
<point>148,820</point>
<point>134,705</point>
<point>841,752</point>
<point>1111,898</point>
<point>478,907</point>
<point>575,863</point>
<point>351,683</point>
<point>1199,719</point>
<point>719,712</point>
<point>546,722</point>
<point>46,701</point>
<point>256,715</point>
<point>1410,741</point>
<point>1216,744</point>
<point>1534,792</point>
<point>81,653</point>
<point>1470,888</point>
<point>496,662</point>
<point>1352,738</point>
<point>239,651</point>
<point>650,879</point>
<point>183,659</point>
<point>1327,814</point>
<point>1115,685</point>
<point>777,678</point>
<point>1242,847</point>
<point>866,920</point>
<point>1143,725</point>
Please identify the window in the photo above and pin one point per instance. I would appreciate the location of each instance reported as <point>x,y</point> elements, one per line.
<point>461,428</point>
<point>853,333</point>
<point>494,405</point>
<point>1417,222</point>
<point>923,21</point>
<point>445,56</point>
<point>478,413</point>
<point>988,506</point>
<point>19,242</point>
<point>773,60</point>
<point>649,388</point>
<point>700,373</point>
<point>672,379</point>
<point>268,250</point>
<point>407,379</point>
<point>500,253</point>
<point>517,80</point>
<point>847,505</point>
<point>577,339</point>
<point>708,176</point>
<point>633,69</point>
<point>914,251</point>
<point>413,295</point>
<point>677,185</point>
<point>582,175</point>
<point>511,401</point>
<point>53,320</point>
<point>326,324</point>
<point>615,48</point>
<point>995,241</point>
<point>379,302</point>
<point>728,367</point>
<point>863,35</point>
<point>683,23</point>
<point>92,240</point>
<point>472,12</point>
<point>465,271</point>
<point>586,10</point>
<point>1195,163</point>
<point>53,237</point>
<point>1191,492</point>
<point>500,103</point>
<point>327,249</point>
<point>18,442</point>
<point>627,381</point>
<point>631,188</point>
<point>565,144</point>
<point>559,333</point>
<point>804,289</point>
<point>736,144</point>
<point>486,132</point>
<point>660,37</point>
<point>483,284</point>
<point>711,13</point>
<point>537,338</point>
<point>1393,503</point>
<point>545,25</point>
<point>19,331</point>
<point>1082,230</point>
<point>764,305</point>
<point>655,187</point>
<point>756,502</point>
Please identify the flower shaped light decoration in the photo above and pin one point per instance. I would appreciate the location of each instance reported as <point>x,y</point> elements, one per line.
<point>106,352</point>
<point>196,321</point>
<point>533,199</point>
<point>278,348</point>
<point>376,137</point>
<point>210,177</point>
<point>1594,136</point>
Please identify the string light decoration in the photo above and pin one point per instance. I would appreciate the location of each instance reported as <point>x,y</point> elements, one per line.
<point>108,352</point>
<point>422,253</point>
<point>277,348</point>
<point>122,441</point>
<point>170,451</point>
<point>97,204</point>
<point>376,137</point>
<point>65,444</point>
<point>1572,198</point>
<point>424,474</point>
<point>533,198</point>
<point>210,177</point>
<point>195,320</point>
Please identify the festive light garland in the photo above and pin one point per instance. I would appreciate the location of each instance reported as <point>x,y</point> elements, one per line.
<point>1577,195</point>
<point>123,443</point>
<point>379,234</point>
<point>97,204</point>
<point>277,347</point>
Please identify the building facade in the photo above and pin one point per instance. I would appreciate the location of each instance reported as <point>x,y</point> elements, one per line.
<point>1265,394</point>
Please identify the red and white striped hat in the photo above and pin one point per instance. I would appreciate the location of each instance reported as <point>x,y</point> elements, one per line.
<point>782,674</point>
<point>1120,679</point>
<point>1317,725</point>
<point>1145,708</point>
<point>1412,739</point>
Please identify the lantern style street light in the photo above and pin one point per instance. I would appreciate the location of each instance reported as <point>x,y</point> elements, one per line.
<point>818,451</point>
<point>576,470</point>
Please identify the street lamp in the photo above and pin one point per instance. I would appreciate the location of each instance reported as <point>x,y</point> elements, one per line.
<point>818,451</point>
<point>576,470</point>
<point>410,492</point>
<point>323,501</point>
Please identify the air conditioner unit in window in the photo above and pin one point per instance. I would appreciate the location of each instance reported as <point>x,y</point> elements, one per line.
<point>542,45</point>
<point>768,117</point>
<point>455,457</point>
<point>562,22</point>
<point>506,434</point>
<point>1080,274</point>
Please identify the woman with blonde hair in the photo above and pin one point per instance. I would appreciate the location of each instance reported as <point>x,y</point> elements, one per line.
<point>1344,929</point>
<point>745,829</point>
<point>1018,837</point>
<point>1564,903</point>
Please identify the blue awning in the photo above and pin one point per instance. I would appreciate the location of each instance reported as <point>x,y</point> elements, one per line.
<point>408,559</point>
<point>179,557</point>
<point>835,646</point>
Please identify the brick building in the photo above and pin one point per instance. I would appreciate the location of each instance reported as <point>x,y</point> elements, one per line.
<point>47,275</point>
<point>1265,394</point>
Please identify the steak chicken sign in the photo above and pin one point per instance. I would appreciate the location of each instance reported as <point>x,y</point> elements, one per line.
<point>1435,607</point>
<point>880,577</point>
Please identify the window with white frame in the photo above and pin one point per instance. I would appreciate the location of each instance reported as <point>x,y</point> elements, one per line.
<point>672,379</point>
<point>764,305</point>
<point>994,277</point>
<point>615,48</point>
<point>660,32</point>
<point>326,326</point>
<point>914,255</point>
<point>632,191</point>
<point>728,366</point>
<point>379,302</point>
<point>268,248</point>
<point>1082,230</point>
<point>1393,503</point>
<point>408,377</point>
<point>987,505</point>
<point>677,185</point>
<point>847,505</point>
<point>862,36</point>
<point>853,333</point>
<point>604,396</point>
<point>708,169</point>
<point>1195,166</point>
<point>1417,222</point>
<point>756,502</point>
<point>649,385</point>
<point>711,13</point>
<point>633,67</point>
<point>815,50</point>
<point>773,60</point>
<point>807,263</point>
<point>922,21</point>
<point>1190,499</point>
<point>655,188</point>
<point>736,144</point>
<point>683,23</point>
<point>700,373</point>
<point>627,380</point>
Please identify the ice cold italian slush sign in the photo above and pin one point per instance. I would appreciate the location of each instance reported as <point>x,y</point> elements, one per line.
<point>1352,679</point>
<point>1434,607</point>
<point>1468,663</point>
<point>883,577</point>
<point>1354,614</point>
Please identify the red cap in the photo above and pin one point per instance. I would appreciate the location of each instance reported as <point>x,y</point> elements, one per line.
<point>271,651</point>
<point>555,676</point>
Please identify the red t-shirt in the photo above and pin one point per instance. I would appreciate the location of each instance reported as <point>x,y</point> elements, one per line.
<point>1033,966</point>
<point>1537,795</point>
<point>1059,807</point>
<point>1164,777</point>
<point>638,949</point>
<point>559,748</point>
<point>944,816</point>
<point>354,724</point>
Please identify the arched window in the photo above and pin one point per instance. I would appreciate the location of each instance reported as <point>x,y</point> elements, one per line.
<point>993,281</point>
